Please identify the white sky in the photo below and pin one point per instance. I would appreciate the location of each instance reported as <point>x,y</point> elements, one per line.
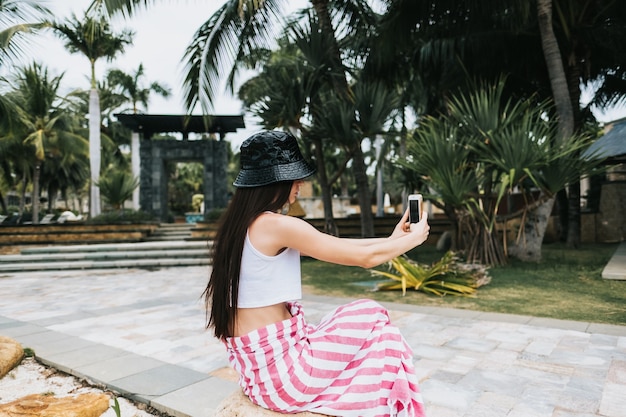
<point>162,32</point>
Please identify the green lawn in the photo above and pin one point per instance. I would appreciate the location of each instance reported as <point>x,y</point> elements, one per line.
<point>566,284</point>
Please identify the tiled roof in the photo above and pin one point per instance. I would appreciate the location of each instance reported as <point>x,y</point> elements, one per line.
<point>159,123</point>
<point>612,144</point>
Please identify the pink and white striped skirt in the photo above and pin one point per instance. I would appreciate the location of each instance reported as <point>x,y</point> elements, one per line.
<point>353,364</point>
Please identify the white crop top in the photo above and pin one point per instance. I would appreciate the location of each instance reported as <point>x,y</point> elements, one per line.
<point>267,280</point>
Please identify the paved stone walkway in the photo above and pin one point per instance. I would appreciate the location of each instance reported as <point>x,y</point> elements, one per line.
<point>141,333</point>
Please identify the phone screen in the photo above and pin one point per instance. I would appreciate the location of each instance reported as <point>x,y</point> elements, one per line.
<point>414,211</point>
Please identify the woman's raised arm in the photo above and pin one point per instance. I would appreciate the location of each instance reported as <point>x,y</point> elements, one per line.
<point>298,234</point>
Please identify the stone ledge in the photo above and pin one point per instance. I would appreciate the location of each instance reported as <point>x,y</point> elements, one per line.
<point>11,354</point>
<point>66,238</point>
<point>74,233</point>
<point>38,405</point>
<point>77,228</point>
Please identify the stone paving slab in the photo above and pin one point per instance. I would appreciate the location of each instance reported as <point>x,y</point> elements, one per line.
<point>112,369</point>
<point>155,382</point>
<point>142,333</point>
<point>50,343</point>
<point>184,402</point>
<point>74,357</point>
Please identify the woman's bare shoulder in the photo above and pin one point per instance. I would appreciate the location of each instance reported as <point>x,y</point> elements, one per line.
<point>279,223</point>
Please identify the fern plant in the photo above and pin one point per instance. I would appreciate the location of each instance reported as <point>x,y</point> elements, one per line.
<point>444,277</point>
<point>117,186</point>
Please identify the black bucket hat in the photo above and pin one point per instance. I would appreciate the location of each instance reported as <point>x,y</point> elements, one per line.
<point>271,156</point>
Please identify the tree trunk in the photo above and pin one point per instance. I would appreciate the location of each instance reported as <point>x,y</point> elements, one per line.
<point>53,193</point>
<point>573,212</point>
<point>23,196</point>
<point>330,226</point>
<point>563,210</point>
<point>35,195</point>
<point>556,71</point>
<point>573,216</point>
<point>403,136</point>
<point>560,94</point>
<point>529,246</point>
<point>456,239</point>
<point>340,85</point>
<point>3,204</point>
<point>481,244</point>
<point>94,152</point>
<point>380,193</point>
<point>363,191</point>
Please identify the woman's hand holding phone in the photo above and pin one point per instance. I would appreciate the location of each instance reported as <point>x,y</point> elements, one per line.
<point>415,207</point>
<point>418,219</point>
<point>409,222</point>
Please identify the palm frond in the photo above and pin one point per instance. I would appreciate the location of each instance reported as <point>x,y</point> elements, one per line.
<point>229,35</point>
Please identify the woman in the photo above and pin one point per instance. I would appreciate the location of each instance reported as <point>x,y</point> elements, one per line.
<point>354,363</point>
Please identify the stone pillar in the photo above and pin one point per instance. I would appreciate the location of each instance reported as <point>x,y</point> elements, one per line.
<point>215,181</point>
<point>610,221</point>
<point>159,179</point>
<point>94,153</point>
<point>145,177</point>
<point>135,166</point>
<point>208,179</point>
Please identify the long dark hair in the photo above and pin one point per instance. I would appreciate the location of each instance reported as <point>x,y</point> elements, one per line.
<point>222,291</point>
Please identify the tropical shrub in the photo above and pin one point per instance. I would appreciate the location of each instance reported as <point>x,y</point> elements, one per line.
<point>122,216</point>
<point>117,186</point>
<point>487,148</point>
<point>447,276</point>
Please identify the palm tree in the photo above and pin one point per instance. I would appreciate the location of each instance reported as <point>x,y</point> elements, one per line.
<point>13,155</point>
<point>65,171</point>
<point>353,123</point>
<point>42,126</point>
<point>296,89</point>
<point>15,21</point>
<point>564,110</point>
<point>231,37</point>
<point>117,187</point>
<point>129,86</point>
<point>447,42</point>
<point>556,72</point>
<point>590,35</point>
<point>442,42</point>
<point>18,17</point>
<point>93,38</point>
<point>280,95</point>
<point>483,149</point>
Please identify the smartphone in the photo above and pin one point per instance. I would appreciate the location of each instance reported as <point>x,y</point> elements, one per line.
<point>415,207</point>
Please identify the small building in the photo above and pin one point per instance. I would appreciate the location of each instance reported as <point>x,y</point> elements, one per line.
<point>149,157</point>
<point>609,221</point>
